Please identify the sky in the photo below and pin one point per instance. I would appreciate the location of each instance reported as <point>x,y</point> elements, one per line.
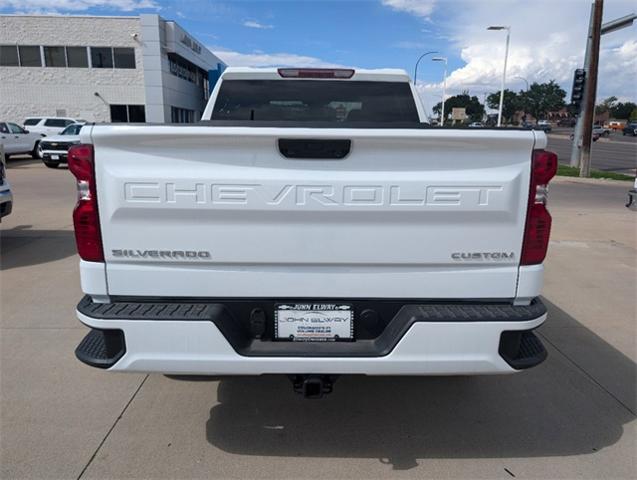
<point>547,37</point>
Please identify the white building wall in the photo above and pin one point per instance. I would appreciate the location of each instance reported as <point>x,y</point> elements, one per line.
<point>29,91</point>
<point>163,89</point>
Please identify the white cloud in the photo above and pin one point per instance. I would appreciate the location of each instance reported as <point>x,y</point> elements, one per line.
<point>547,42</point>
<point>254,24</point>
<point>420,8</point>
<point>49,6</point>
<point>263,59</point>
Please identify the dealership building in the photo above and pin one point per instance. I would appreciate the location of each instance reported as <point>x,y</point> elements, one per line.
<point>103,69</point>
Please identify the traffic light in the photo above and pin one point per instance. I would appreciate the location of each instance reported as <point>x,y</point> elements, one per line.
<point>577,93</point>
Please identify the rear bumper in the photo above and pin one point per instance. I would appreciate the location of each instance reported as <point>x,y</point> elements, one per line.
<point>426,339</point>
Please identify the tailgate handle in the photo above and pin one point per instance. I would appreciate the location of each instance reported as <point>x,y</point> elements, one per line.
<point>314,149</point>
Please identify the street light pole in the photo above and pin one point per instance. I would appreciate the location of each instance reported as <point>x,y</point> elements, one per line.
<point>525,81</point>
<point>444,89</point>
<point>417,62</point>
<point>416,79</point>
<point>504,71</point>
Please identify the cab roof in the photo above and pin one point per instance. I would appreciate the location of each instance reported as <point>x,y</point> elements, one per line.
<point>370,75</point>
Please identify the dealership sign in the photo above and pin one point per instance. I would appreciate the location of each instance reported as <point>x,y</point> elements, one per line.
<point>190,43</point>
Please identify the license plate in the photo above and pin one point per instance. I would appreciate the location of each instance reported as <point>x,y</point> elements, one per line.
<point>314,322</point>
<point>55,157</point>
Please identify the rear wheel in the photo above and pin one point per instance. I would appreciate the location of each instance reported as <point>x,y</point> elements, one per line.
<point>51,164</point>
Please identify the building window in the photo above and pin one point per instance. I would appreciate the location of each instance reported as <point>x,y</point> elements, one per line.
<point>136,113</point>
<point>54,57</point>
<point>124,57</point>
<point>30,56</point>
<point>76,57</point>
<point>9,56</point>
<point>182,68</point>
<point>101,57</point>
<point>182,115</point>
<point>128,113</point>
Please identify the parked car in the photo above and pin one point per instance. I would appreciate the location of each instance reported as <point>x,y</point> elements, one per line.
<point>16,140</point>
<point>544,125</point>
<point>594,136</point>
<point>601,131</point>
<point>630,129</point>
<point>476,125</point>
<point>566,122</point>
<point>53,149</point>
<point>6,197</point>
<point>298,249</point>
<point>49,125</point>
<point>615,125</point>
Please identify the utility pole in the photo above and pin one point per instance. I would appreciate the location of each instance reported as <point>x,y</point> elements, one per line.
<point>579,125</point>
<point>590,89</point>
<point>590,85</point>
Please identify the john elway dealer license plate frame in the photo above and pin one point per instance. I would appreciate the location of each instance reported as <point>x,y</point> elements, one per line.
<point>314,322</point>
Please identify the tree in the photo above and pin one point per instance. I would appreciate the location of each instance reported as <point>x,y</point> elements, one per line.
<point>511,103</point>
<point>622,111</point>
<point>473,108</point>
<point>542,98</point>
<point>633,115</point>
<point>606,105</point>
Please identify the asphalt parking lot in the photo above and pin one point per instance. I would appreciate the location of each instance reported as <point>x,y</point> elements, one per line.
<point>573,416</point>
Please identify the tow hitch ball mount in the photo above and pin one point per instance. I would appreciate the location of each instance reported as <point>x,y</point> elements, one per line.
<point>313,386</point>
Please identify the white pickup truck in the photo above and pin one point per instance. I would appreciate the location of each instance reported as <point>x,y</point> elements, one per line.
<point>311,225</point>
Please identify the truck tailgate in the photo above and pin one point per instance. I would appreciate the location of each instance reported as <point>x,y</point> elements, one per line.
<point>204,211</point>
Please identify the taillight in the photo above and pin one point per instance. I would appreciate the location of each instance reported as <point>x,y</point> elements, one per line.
<point>538,219</point>
<point>316,72</point>
<point>85,215</point>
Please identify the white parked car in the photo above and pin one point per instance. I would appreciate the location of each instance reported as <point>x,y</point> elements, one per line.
<point>49,125</point>
<point>6,197</point>
<point>16,140</point>
<point>53,149</point>
<point>282,235</point>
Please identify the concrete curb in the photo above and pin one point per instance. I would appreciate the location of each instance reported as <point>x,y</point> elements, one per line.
<point>566,179</point>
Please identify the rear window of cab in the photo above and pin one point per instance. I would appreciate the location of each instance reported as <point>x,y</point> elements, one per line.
<point>334,101</point>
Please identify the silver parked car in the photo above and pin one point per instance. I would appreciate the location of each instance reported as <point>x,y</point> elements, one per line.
<point>16,140</point>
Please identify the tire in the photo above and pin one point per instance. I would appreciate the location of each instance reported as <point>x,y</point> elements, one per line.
<point>51,164</point>
<point>36,152</point>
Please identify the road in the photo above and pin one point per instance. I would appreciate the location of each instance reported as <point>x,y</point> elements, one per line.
<point>571,417</point>
<point>615,154</point>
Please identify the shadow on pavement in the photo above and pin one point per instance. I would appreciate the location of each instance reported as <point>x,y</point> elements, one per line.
<point>22,247</point>
<point>22,162</point>
<point>552,410</point>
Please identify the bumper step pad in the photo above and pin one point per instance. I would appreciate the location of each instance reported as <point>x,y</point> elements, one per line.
<point>522,349</point>
<point>101,348</point>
